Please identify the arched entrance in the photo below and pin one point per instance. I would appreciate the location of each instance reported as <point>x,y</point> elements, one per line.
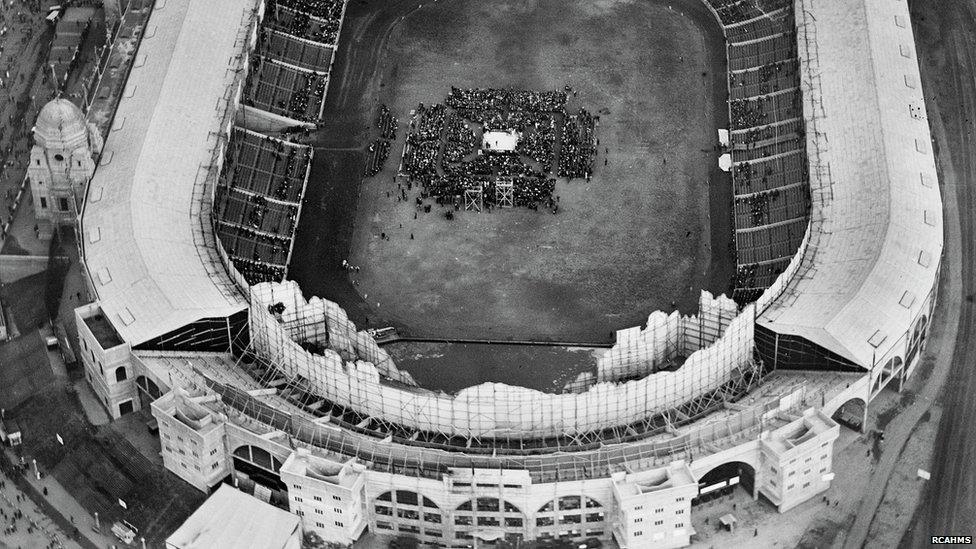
<point>148,391</point>
<point>256,471</point>
<point>851,414</point>
<point>724,479</point>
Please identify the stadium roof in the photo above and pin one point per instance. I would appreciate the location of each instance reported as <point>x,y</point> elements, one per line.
<point>876,232</point>
<point>230,519</point>
<point>141,221</point>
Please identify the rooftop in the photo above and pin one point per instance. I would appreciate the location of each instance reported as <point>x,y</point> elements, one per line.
<point>230,518</point>
<point>675,475</point>
<point>302,463</point>
<point>799,431</point>
<point>145,245</point>
<point>103,331</point>
<point>876,229</point>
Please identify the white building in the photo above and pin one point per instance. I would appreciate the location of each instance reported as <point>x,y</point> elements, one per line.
<point>61,163</point>
<point>328,495</point>
<point>653,508</point>
<point>106,357</point>
<point>797,460</point>
<point>192,440</point>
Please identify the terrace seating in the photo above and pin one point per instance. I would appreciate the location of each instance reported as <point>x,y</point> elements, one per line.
<point>293,50</point>
<point>768,135</point>
<point>284,90</point>
<point>322,25</point>
<point>257,202</point>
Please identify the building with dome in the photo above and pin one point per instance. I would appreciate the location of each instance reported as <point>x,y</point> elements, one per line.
<point>62,161</point>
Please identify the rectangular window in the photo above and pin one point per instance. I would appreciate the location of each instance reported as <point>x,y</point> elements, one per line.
<point>63,204</point>
<point>639,519</point>
<point>296,486</point>
<point>320,525</point>
<point>43,203</point>
<point>298,499</point>
<point>339,524</point>
<point>679,512</point>
<point>337,498</point>
<point>658,522</point>
<point>317,498</point>
<point>638,533</point>
<point>337,510</point>
<point>213,452</point>
<point>806,484</point>
<point>319,512</point>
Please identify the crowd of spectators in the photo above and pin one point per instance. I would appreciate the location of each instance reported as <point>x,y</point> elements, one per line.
<point>442,153</point>
<point>507,99</point>
<point>387,123</point>
<point>578,148</point>
<point>316,20</point>
<point>376,156</point>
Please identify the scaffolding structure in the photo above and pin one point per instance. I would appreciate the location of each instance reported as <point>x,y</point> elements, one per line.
<point>313,345</point>
<point>474,196</point>
<point>242,401</point>
<point>505,192</point>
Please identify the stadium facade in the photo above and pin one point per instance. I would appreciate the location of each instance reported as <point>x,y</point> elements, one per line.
<point>186,235</point>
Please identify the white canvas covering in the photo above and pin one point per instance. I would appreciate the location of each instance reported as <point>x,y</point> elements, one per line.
<point>144,260</point>
<point>231,519</point>
<point>876,239</point>
<point>504,141</point>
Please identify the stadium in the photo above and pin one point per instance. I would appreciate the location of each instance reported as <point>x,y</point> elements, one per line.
<point>188,230</point>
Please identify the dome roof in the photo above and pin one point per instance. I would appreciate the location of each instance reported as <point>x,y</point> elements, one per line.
<point>61,124</point>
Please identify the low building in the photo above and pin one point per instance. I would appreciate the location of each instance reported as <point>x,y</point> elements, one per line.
<point>192,440</point>
<point>653,508</point>
<point>328,495</point>
<point>107,361</point>
<point>230,519</point>
<point>797,459</point>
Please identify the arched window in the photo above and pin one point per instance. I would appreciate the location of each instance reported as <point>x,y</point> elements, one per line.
<point>120,374</point>
<point>59,158</point>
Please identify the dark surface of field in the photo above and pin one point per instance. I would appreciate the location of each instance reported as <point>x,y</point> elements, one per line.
<point>649,230</point>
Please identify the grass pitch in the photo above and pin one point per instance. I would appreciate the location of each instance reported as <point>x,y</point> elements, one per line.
<point>647,232</point>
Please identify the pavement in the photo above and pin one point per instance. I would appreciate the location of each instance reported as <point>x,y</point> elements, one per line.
<point>35,529</point>
<point>946,45</point>
<point>26,88</point>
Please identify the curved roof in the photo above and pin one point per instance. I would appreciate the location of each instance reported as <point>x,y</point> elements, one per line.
<point>145,246</point>
<point>876,224</point>
<point>61,124</point>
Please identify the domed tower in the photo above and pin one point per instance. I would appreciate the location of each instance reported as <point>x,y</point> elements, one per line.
<point>61,163</point>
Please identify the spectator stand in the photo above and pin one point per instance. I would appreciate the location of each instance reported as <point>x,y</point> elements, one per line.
<point>278,88</point>
<point>769,169</point>
<point>316,20</point>
<point>295,51</point>
<point>258,202</point>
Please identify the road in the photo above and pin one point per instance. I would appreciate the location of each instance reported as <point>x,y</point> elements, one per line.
<point>946,45</point>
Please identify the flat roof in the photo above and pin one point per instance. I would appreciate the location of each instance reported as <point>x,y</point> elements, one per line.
<point>230,518</point>
<point>876,220</point>
<point>103,331</point>
<point>146,216</point>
